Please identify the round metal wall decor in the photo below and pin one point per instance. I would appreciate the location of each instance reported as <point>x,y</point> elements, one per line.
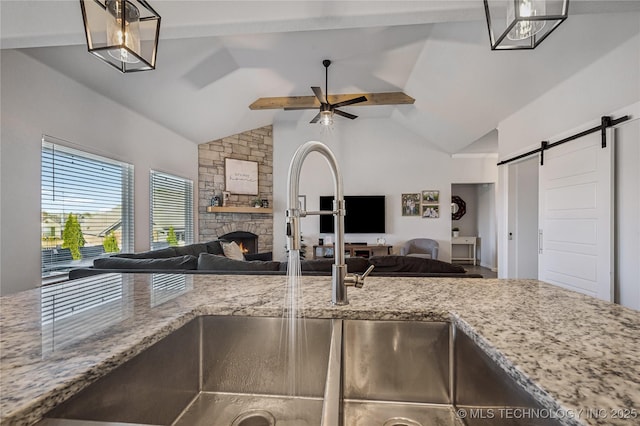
<point>458,207</point>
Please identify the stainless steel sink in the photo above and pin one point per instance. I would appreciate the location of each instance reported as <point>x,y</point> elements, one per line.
<point>216,370</point>
<point>232,371</point>
<point>398,373</point>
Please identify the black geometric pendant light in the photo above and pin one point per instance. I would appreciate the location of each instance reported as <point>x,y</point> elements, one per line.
<point>123,33</point>
<point>522,24</point>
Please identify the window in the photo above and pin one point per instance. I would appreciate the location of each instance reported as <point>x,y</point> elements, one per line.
<point>86,207</point>
<point>171,210</point>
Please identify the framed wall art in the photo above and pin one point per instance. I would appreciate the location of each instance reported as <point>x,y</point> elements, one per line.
<point>240,176</point>
<point>430,197</point>
<point>430,206</point>
<point>411,204</point>
<point>430,211</point>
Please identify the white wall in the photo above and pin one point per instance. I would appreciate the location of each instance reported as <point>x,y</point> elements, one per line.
<point>474,168</point>
<point>607,87</point>
<point>37,100</point>
<point>377,157</point>
<point>627,214</point>
<point>608,84</point>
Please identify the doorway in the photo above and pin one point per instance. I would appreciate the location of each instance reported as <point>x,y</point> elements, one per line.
<point>522,220</point>
<point>478,222</point>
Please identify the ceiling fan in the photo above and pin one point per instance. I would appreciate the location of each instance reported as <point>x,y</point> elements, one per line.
<point>329,104</point>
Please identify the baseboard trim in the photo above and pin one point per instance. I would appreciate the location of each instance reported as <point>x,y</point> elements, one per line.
<point>493,268</point>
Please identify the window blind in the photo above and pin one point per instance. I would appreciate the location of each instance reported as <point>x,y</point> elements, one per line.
<point>76,309</point>
<point>171,210</point>
<point>86,207</point>
<point>165,287</point>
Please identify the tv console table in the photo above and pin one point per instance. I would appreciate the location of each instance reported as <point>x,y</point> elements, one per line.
<point>351,250</point>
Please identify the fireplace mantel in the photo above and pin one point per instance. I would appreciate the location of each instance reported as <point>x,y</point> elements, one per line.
<point>247,210</point>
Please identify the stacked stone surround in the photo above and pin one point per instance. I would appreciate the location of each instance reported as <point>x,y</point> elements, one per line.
<point>253,145</point>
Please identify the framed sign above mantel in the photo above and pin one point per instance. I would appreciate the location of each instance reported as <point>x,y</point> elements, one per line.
<point>241,176</point>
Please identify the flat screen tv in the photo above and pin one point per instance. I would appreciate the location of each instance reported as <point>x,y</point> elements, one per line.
<point>365,214</point>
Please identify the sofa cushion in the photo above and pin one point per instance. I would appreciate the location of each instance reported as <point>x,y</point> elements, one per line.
<point>212,262</point>
<point>354,265</point>
<point>413,264</point>
<point>232,250</point>
<point>186,262</point>
<point>357,264</point>
<point>153,254</point>
<point>192,249</point>
<point>266,255</point>
<point>214,247</point>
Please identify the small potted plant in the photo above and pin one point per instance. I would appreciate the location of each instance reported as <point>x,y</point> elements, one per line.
<point>456,231</point>
<point>256,202</point>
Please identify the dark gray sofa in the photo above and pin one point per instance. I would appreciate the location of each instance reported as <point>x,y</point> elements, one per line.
<point>208,258</point>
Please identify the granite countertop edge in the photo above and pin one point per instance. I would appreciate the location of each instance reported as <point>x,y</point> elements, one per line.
<point>262,298</point>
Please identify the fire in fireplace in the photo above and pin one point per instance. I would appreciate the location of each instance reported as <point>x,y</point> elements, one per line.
<point>247,241</point>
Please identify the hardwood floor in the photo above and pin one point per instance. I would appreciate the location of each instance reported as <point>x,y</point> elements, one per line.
<point>485,272</point>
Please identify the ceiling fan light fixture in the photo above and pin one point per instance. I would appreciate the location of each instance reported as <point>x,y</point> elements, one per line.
<point>328,110</point>
<point>326,118</point>
<point>122,33</point>
<point>522,24</point>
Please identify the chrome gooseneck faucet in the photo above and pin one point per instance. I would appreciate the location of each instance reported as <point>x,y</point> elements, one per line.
<point>340,279</point>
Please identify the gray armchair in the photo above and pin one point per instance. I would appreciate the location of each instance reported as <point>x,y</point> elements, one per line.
<point>420,247</point>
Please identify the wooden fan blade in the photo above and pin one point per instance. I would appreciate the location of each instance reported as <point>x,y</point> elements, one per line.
<point>286,102</point>
<point>315,119</point>
<point>350,102</point>
<point>345,114</point>
<point>318,92</point>
<point>388,98</point>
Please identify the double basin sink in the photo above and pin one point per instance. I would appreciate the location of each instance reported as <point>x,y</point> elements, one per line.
<point>258,371</point>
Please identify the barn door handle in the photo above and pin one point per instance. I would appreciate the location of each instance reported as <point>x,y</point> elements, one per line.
<point>540,239</point>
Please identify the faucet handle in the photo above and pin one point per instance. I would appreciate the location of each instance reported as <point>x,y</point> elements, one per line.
<point>358,280</point>
<point>367,272</point>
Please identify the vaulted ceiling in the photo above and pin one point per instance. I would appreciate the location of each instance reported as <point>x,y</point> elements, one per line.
<point>217,57</point>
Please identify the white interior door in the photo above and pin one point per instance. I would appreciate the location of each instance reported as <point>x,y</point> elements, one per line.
<point>576,212</point>
<point>523,219</point>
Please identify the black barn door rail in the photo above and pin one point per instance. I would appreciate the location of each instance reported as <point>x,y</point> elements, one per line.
<point>605,122</point>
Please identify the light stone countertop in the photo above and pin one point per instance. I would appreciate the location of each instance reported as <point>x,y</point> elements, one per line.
<point>572,351</point>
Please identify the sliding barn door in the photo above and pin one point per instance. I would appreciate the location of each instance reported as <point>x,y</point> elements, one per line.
<point>576,213</point>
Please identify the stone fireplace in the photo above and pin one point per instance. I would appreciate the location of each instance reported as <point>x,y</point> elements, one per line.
<point>248,241</point>
<point>253,145</point>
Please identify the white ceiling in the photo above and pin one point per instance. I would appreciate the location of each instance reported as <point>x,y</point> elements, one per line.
<point>217,57</point>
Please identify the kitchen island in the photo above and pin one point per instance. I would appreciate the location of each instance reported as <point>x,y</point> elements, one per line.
<point>580,357</point>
